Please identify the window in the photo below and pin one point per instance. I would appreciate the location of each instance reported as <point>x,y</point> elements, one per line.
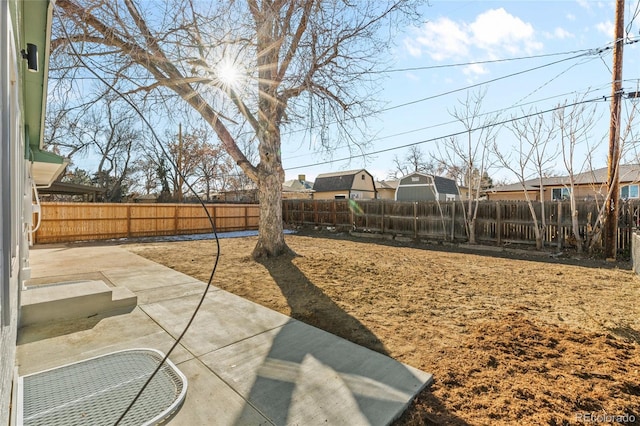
<point>629,191</point>
<point>559,194</point>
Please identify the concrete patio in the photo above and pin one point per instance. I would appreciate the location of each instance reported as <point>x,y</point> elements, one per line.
<point>245,364</point>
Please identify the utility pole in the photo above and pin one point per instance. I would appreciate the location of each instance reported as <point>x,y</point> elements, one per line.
<point>611,219</point>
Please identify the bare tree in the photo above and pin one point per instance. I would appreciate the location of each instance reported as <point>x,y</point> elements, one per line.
<point>213,167</point>
<point>414,161</point>
<point>628,146</point>
<point>254,64</point>
<point>471,154</point>
<point>575,123</point>
<point>146,172</point>
<point>533,156</point>
<point>185,154</point>
<point>107,133</point>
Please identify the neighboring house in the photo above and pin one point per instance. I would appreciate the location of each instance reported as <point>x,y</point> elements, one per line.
<point>353,184</point>
<point>299,188</point>
<point>588,186</point>
<point>145,198</point>
<point>24,164</point>
<point>67,191</point>
<point>387,189</point>
<point>425,187</point>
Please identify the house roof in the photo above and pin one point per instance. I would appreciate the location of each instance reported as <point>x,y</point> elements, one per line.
<point>45,166</point>
<point>70,188</point>
<point>338,181</point>
<point>628,173</point>
<point>445,185</point>
<point>387,184</point>
<point>295,185</point>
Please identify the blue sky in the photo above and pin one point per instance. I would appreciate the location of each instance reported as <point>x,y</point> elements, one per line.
<point>468,32</point>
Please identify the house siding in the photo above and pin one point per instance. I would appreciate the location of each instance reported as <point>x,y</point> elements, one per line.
<point>363,181</point>
<point>13,172</point>
<point>415,193</point>
<point>355,185</point>
<point>424,187</point>
<point>386,193</point>
<point>583,193</point>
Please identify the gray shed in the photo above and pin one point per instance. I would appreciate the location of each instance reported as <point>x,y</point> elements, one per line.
<point>426,187</point>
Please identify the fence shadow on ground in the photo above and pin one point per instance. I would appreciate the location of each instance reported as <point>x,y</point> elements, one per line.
<point>549,256</point>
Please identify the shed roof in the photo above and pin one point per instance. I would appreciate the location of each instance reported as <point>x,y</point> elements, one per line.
<point>338,181</point>
<point>443,185</point>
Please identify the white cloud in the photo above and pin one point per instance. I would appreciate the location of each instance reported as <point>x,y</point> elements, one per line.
<point>584,4</point>
<point>495,33</point>
<point>475,69</point>
<point>496,30</point>
<point>606,28</point>
<point>571,17</point>
<point>441,39</point>
<point>561,33</point>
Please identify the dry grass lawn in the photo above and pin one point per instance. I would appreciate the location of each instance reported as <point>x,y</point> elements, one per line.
<point>508,340</point>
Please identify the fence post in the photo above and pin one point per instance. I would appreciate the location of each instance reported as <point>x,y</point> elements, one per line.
<point>285,216</point>
<point>128,221</point>
<point>175,219</point>
<point>382,224</point>
<point>334,216</point>
<point>560,228</point>
<point>302,204</point>
<point>415,220</point>
<point>498,224</point>
<point>453,220</point>
<point>353,219</point>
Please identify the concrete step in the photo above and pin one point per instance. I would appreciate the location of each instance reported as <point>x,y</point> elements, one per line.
<point>71,300</point>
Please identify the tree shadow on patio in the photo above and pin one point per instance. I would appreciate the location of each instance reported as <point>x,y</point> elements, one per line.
<point>312,306</point>
<point>298,381</point>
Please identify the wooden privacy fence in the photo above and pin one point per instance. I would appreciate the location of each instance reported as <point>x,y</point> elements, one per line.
<point>498,222</point>
<point>65,222</point>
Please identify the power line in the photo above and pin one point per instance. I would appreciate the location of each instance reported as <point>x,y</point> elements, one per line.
<point>490,61</point>
<point>493,80</point>
<point>500,123</point>
<point>587,52</point>
<point>201,202</point>
<point>406,132</point>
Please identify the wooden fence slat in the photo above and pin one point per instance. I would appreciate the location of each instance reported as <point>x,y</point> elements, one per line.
<point>496,223</point>
<point>66,222</point>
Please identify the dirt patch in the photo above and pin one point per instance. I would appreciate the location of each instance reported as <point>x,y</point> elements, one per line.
<point>508,341</point>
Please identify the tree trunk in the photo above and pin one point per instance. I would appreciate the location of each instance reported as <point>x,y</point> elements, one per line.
<point>472,231</point>
<point>575,227</point>
<point>270,178</point>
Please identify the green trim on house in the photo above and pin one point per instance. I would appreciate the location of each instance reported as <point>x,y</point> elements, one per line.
<point>36,30</point>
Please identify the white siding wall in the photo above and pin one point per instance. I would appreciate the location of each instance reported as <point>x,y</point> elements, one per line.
<point>14,250</point>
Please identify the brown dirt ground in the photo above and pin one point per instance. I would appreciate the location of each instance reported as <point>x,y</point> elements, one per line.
<point>508,340</point>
